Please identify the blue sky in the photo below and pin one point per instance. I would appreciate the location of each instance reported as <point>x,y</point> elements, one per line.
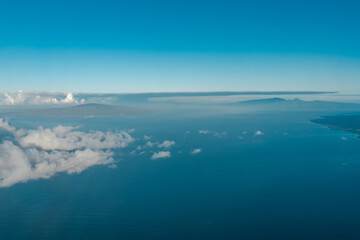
<point>140,46</point>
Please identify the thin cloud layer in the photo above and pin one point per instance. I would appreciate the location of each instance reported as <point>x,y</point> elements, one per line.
<point>41,153</point>
<point>37,98</point>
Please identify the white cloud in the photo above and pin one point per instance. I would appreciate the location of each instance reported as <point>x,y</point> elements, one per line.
<point>259,133</point>
<point>220,134</point>
<point>41,153</point>
<point>203,131</point>
<point>161,154</point>
<point>166,144</point>
<point>150,144</point>
<point>21,165</point>
<point>37,98</point>
<point>65,138</point>
<point>196,151</point>
<point>5,126</point>
<point>147,137</point>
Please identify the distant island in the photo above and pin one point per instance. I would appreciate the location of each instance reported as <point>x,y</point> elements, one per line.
<point>348,123</point>
<point>296,104</point>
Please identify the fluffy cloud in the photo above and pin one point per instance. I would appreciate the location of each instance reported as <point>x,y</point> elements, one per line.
<point>166,144</point>
<point>65,138</point>
<point>161,154</point>
<point>4,125</point>
<point>196,151</point>
<point>259,133</point>
<point>41,153</point>
<point>37,98</point>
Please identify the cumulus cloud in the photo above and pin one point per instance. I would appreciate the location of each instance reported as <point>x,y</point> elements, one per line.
<point>65,138</point>
<point>41,153</point>
<point>4,125</point>
<point>196,151</point>
<point>166,144</point>
<point>257,133</point>
<point>37,98</point>
<point>161,154</point>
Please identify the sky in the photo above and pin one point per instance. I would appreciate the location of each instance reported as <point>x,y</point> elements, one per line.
<point>169,46</point>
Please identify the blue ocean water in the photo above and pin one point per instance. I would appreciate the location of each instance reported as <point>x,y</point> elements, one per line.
<point>296,180</point>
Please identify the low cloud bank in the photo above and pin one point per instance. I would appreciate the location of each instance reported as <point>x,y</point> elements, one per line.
<point>37,98</point>
<point>41,153</point>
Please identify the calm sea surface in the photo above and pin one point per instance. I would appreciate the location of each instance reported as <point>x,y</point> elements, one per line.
<point>296,180</point>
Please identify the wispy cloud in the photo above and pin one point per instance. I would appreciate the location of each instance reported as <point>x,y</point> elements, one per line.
<point>41,153</point>
<point>150,144</point>
<point>220,134</point>
<point>166,144</point>
<point>196,151</point>
<point>147,137</point>
<point>203,131</point>
<point>161,154</point>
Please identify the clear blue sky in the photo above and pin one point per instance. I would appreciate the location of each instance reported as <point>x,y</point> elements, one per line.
<point>137,46</point>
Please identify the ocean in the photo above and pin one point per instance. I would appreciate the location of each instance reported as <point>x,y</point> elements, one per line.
<point>259,175</point>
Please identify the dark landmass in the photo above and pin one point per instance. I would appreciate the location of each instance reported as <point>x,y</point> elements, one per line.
<point>297,104</point>
<point>82,111</point>
<point>348,123</point>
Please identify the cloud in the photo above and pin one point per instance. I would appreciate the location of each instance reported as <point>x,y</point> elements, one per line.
<point>147,137</point>
<point>196,151</point>
<point>203,131</point>
<point>258,133</point>
<point>5,126</point>
<point>166,144</point>
<point>161,154</point>
<point>41,153</point>
<point>220,134</point>
<point>150,144</point>
<point>65,138</point>
<point>37,98</point>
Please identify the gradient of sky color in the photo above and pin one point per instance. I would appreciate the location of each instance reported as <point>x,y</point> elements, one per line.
<point>198,45</point>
